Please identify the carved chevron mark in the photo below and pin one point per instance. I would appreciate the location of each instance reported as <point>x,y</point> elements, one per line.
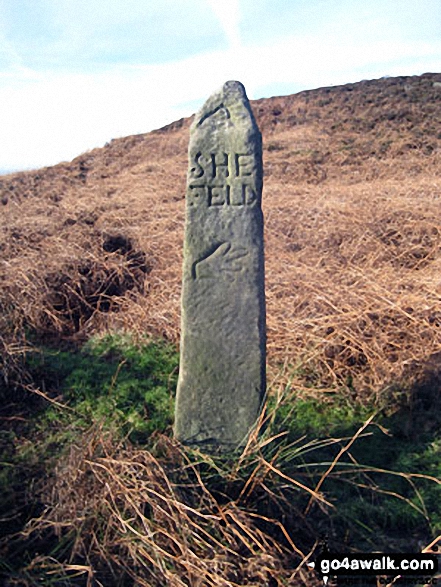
<point>213,112</point>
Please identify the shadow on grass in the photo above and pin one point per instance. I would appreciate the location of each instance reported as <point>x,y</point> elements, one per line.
<point>93,485</point>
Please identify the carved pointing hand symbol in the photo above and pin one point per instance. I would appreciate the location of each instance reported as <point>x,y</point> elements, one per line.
<point>224,259</point>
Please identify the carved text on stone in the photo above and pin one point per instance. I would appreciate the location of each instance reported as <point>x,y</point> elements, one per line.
<point>221,179</point>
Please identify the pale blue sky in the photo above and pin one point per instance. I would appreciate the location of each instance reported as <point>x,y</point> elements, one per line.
<point>77,73</point>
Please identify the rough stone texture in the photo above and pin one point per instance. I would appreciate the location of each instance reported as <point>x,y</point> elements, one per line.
<point>222,369</point>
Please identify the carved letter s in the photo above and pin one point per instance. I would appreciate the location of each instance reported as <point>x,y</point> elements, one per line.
<point>197,171</point>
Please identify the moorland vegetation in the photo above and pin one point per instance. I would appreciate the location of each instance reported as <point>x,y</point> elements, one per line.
<point>94,489</point>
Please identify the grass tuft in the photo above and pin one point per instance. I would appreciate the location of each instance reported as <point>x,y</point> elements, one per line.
<point>93,499</point>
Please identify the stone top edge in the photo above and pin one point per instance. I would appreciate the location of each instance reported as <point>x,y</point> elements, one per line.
<point>229,99</point>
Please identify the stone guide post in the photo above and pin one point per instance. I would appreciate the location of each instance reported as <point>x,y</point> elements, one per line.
<point>222,366</point>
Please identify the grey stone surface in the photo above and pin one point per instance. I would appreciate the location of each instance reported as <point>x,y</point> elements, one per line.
<point>222,368</point>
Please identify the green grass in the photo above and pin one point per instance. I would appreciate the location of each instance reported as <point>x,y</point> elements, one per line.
<point>385,486</point>
<point>111,383</point>
<point>112,380</point>
<point>380,485</point>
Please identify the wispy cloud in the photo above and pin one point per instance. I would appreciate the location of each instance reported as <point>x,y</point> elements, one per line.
<point>9,56</point>
<point>53,112</point>
<point>48,117</point>
<point>228,13</point>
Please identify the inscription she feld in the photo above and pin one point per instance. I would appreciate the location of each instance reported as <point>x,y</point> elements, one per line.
<point>221,179</point>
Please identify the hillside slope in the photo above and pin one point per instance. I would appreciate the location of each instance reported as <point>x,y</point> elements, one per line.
<point>353,248</point>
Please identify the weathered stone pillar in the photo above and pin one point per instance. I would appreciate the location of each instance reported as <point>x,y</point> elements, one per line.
<point>222,368</point>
